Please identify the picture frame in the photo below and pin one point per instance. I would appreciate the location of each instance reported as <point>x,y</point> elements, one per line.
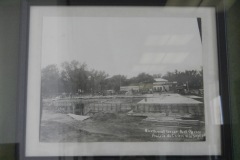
<point>220,65</point>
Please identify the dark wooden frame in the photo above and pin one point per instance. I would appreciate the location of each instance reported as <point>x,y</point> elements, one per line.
<point>226,137</point>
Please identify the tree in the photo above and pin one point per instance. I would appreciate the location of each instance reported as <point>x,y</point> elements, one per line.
<point>115,82</point>
<point>97,80</point>
<point>50,81</point>
<point>157,75</point>
<point>193,78</point>
<point>141,78</point>
<point>144,78</point>
<point>74,76</point>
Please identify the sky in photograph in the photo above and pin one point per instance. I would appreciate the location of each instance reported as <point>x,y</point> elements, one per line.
<point>126,46</point>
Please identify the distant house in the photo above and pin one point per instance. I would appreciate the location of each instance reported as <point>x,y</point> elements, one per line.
<point>145,87</point>
<point>160,81</point>
<point>161,85</point>
<point>110,92</point>
<point>129,88</point>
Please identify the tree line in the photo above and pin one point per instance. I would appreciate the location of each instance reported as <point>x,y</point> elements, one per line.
<point>75,77</point>
<point>192,78</point>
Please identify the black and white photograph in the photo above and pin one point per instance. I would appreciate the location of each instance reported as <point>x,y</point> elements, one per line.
<point>122,80</point>
<point>118,77</point>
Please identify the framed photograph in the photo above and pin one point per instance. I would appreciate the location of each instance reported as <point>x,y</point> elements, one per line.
<point>128,78</point>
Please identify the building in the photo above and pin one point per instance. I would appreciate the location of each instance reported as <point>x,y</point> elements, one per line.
<point>145,87</point>
<point>170,105</point>
<point>160,85</point>
<point>163,85</point>
<point>110,92</point>
<point>129,88</point>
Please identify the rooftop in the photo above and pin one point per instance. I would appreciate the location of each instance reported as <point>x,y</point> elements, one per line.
<point>160,80</point>
<point>169,99</point>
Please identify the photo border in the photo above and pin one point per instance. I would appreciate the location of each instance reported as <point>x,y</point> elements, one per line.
<point>222,60</point>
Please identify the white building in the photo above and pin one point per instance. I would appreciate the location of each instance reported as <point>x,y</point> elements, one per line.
<point>129,88</point>
<point>161,85</point>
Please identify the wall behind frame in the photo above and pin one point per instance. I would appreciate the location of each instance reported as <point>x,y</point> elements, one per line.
<point>9,50</point>
<point>233,37</point>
